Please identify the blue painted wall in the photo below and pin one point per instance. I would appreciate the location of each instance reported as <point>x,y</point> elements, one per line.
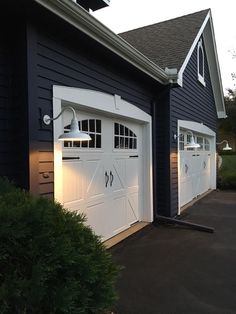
<point>193,102</point>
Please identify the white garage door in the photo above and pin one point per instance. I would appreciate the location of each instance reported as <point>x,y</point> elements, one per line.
<point>195,167</point>
<point>102,178</point>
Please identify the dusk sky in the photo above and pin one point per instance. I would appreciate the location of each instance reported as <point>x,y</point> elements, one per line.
<point>124,15</point>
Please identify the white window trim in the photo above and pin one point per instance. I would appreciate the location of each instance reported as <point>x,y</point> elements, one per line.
<point>113,105</point>
<point>204,130</point>
<point>201,78</point>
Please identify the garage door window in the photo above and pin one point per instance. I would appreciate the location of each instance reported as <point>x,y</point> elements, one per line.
<point>124,138</point>
<point>91,126</point>
<point>207,144</point>
<point>200,142</point>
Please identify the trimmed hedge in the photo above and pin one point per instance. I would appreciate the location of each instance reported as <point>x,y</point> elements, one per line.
<point>50,262</point>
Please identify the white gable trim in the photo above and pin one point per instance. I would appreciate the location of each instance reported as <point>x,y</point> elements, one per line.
<point>207,31</point>
<point>184,65</point>
<point>214,69</point>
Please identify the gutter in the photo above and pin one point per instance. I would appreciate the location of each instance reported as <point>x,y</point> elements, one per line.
<point>83,21</point>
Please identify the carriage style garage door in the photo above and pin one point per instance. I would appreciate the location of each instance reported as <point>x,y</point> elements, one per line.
<point>196,166</point>
<point>103,178</point>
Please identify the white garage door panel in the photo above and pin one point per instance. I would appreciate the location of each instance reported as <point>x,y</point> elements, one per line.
<point>94,177</point>
<point>195,169</point>
<point>185,179</point>
<point>95,215</point>
<point>104,184</point>
<point>132,208</point>
<point>73,191</point>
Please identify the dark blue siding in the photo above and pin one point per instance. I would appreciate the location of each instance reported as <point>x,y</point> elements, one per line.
<point>13,125</point>
<point>61,55</point>
<point>161,147</point>
<point>192,102</point>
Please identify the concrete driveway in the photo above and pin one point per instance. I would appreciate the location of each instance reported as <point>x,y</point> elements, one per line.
<point>175,270</point>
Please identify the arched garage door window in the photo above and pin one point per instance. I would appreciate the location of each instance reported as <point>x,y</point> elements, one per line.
<point>124,138</point>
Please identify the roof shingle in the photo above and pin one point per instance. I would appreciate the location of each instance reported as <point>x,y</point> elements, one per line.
<point>167,43</point>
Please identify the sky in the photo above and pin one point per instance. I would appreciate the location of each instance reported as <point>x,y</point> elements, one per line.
<point>123,15</point>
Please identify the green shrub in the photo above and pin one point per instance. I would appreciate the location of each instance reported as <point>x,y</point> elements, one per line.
<point>50,262</point>
<point>227,173</point>
<point>227,182</point>
<point>227,153</point>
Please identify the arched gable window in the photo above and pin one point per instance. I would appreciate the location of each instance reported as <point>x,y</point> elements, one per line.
<point>200,63</point>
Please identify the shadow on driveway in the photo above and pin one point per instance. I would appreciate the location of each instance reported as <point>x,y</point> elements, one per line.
<point>175,270</point>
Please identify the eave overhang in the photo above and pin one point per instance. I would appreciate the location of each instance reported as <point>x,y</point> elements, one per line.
<point>83,21</point>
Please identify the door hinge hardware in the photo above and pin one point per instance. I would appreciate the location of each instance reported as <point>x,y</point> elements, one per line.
<point>106,179</point>
<point>70,158</point>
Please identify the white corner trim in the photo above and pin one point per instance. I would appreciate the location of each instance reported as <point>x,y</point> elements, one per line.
<point>88,24</point>
<point>113,105</point>
<point>183,67</point>
<point>222,115</point>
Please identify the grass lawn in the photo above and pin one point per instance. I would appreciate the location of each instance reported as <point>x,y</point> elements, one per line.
<point>227,172</point>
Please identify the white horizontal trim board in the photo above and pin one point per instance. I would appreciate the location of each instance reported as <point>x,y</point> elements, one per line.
<point>111,106</point>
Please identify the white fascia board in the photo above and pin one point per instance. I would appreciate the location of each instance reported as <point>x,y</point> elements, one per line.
<point>184,65</point>
<point>82,20</point>
<point>214,68</point>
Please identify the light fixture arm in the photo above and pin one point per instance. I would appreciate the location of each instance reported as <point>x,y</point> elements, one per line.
<point>47,119</point>
<point>227,147</point>
<point>224,141</point>
<point>177,136</point>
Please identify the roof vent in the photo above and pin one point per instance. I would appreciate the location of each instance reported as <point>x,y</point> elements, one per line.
<point>93,4</point>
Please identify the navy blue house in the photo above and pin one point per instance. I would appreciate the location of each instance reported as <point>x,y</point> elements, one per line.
<point>143,97</point>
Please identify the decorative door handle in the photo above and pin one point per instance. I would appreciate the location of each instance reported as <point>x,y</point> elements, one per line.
<point>204,165</point>
<point>106,179</point>
<point>186,168</point>
<point>111,178</point>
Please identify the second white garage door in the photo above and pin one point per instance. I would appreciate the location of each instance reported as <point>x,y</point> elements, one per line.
<point>195,167</point>
<point>103,178</point>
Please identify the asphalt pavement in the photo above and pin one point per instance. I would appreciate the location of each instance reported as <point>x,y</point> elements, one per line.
<point>171,269</point>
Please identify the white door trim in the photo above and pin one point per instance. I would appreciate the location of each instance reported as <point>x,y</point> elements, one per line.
<point>112,105</point>
<point>202,129</point>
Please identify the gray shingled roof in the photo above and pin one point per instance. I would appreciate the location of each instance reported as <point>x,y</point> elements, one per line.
<point>167,43</point>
